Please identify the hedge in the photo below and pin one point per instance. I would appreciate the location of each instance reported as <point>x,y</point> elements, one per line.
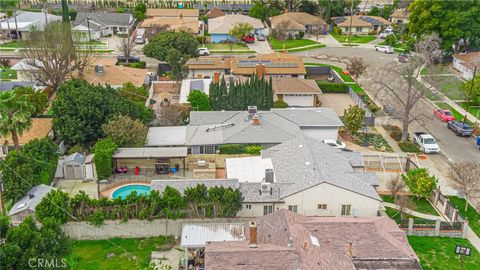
<point>103,152</point>
<point>332,87</point>
<point>234,149</point>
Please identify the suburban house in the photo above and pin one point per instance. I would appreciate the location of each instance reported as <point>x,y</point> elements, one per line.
<point>210,129</point>
<point>105,71</point>
<point>466,63</point>
<point>189,85</point>
<point>296,91</point>
<point>286,240</point>
<point>206,67</point>
<point>361,24</point>
<point>172,13</point>
<point>400,16</point>
<point>25,21</point>
<point>76,166</point>
<point>26,206</point>
<point>219,27</point>
<point>300,22</point>
<point>102,24</point>
<point>165,19</point>
<point>305,176</point>
<point>367,5</point>
<point>41,128</point>
<point>23,69</point>
<point>215,12</point>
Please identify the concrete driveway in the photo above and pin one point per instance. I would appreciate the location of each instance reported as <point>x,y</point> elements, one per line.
<point>261,47</point>
<point>338,102</point>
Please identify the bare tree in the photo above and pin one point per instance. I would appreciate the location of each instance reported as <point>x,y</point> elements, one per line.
<point>127,47</point>
<point>398,86</point>
<point>283,31</point>
<point>405,203</point>
<point>168,115</point>
<point>316,32</point>
<point>465,176</point>
<point>51,55</point>
<point>429,48</point>
<point>356,66</point>
<point>395,185</point>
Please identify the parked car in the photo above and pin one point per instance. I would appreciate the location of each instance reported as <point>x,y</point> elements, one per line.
<point>249,39</point>
<point>132,59</point>
<point>335,144</point>
<point>261,37</point>
<point>384,49</point>
<point>460,128</point>
<point>444,115</point>
<point>402,57</point>
<point>427,142</point>
<point>203,51</point>
<point>386,33</point>
<point>140,36</point>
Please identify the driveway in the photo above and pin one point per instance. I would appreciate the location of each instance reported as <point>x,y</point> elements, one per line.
<point>338,102</point>
<point>261,47</point>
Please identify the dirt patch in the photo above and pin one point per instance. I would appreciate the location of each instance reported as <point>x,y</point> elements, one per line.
<point>169,257</point>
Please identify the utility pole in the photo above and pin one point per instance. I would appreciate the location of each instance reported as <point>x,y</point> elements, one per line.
<point>351,21</point>
<point>16,25</point>
<point>88,26</point>
<point>2,203</point>
<point>471,88</point>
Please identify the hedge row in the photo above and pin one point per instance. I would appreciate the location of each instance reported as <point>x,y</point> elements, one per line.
<point>332,87</point>
<point>234,149</point>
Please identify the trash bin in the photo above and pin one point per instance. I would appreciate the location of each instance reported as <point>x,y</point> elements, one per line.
<point>177,167</point>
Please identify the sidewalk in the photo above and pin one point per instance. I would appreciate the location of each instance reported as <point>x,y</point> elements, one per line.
<point>328,40</point>
<point>411,212</point>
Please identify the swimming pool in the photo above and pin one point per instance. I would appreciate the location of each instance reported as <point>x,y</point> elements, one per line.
<point>124,191</point>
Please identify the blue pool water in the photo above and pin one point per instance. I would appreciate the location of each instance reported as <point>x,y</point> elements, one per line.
<point>123,192</point>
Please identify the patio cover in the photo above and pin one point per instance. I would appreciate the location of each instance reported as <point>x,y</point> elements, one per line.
<point>151,152</point>
<point>166,136</point>
<point>197,235</point>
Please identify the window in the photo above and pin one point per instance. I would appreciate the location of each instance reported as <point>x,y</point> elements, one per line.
<point>292,208</point>
<point>359,29</point>
<point>346,209</point>
<point>346,29</point>
<point>322,206</point>
<point>267,209</point>
<point>248,206</point>
<point>208,149</point>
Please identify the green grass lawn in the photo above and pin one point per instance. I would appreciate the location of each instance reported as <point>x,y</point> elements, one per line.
<point>127,253</point>
<point>458,116</point>
<point>399,47</point>
<point>346,78</point>
<point>291,44</point>
<point>450,87</point>
<point>427,92</point>
<point>437,253</point>
<point>471,214</point>
<point>474,110</point>
<point>226,47</point>
<point>436,69</point>
<point>354,39</point>
<point>14,44</point>
<point>8,74</point>
<point>422,205</point>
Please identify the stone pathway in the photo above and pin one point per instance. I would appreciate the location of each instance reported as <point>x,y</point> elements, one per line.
<point>411,212</point>
<point>387,137</point>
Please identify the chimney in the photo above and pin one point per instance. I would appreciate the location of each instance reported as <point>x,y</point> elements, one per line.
<point>256,120</point>
<point>30,196</point>
<point>350,249</point>
<point>216,77</point>
<point>269,175</point>
<point>253,235</point>
<point>260,68</point>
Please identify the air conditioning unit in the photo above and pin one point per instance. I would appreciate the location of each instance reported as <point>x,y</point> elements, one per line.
<point>265,188</point>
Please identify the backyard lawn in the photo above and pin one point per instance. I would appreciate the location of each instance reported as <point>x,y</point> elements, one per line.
<point>422,205</point>
<point>437,253</point>
<point>354,39</point>
<point>292,44</point>
<point>14,44</point>
<point>474,110</point>
<point>122,254</point>
<point>7,74</point>
<point>471,214</point>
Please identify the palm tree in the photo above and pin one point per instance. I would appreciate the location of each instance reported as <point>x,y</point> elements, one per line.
<point>15,113</point>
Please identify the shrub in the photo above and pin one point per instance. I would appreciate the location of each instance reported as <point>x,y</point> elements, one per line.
<point>409,147</point>
<point>232,149</point>
<point>391,40</point>
<point>332,87</point>
<point>141,64</point>
<point>253,149</point>
<point>299,35</point>
<point>394,132</point>
<point>202,39</point>
<point>280,104</point>
<point>103,151</point>
<point>74,149</point>
<point>373,32</point>
<point>97,217</point>
<point>337,30</point>
<point>56,205</point>
<point>353,118</point>
<point>420,182</point>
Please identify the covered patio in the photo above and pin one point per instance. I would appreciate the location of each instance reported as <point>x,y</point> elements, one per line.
<point>149,161</point>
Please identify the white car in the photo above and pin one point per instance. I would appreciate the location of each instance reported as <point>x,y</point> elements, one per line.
<point>203,51</point>
<point>384,49</point>
<point>335,144</point>
<point>386,33</point>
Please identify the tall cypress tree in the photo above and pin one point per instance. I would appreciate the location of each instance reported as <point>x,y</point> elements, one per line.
<point>65,13</point>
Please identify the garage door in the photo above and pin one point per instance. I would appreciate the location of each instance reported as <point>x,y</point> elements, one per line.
<point>298,100</point>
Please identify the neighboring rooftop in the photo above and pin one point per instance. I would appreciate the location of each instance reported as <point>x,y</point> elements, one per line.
<point>24,20</point>
<point>75,157</point>
<point>112,74</point>
<point>360,21</point>
<point>288,239</point>
<point>401,13</point>
<point>189,85</point>
<point>298,20</point>
<point>223,24</point>
<point>291,85</point>
<point>215,12</point>
<point>166,136</point>
<point>172,12</point>
<point>189,24</point>
<point>40,129</point>
<point>198,234</point>
<point>96,20</point>
<point>31,199</point>
<point>209,63</point>
<point>469,60</point>
<point>276,63</point>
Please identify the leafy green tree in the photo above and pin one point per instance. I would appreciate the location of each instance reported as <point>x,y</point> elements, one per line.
<point>126,132</point>
<point>43,153</point>
<point>159,46</point>
<point>240,30</point>
<point>197,199</point>
<point>329,9</point>
<point>39,100</point>
<point>199,101</point>
<point>420,182</point>
<point>232,202</point>
<point>309,7</point>
<point>65,13</point>
<point>103,152</point>
<point>353,118</point>
<point>56,205</point>
<point>263,11</point>
<point>173,201</point>
<point>178,63</point>
<point>471,92</point>
<point>4,225</point>
<point>384,12</point>
<point>452,20</point>
<point>134,93</point>
<point>140,12</point>
<point>17,172</point>
<point>15,112</point>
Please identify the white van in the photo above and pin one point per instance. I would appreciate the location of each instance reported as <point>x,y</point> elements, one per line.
<point>140,36</point>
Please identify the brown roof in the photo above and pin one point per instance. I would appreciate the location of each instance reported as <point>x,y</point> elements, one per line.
<point>210,63</point>
<point>287,85</point>
<point>469,60</point>
<point>189,24</point>
<point>164,87</point>
<point>114,75</point>
<point>400,13</point>
<point>375,241</point>
<point>298,19</point>
<point>40,129</point>
<point>215,12</point>
<point>292,64</point>
<point>172,12</point>
<point>360,21</point>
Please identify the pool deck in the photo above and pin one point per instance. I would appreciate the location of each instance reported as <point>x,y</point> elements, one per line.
<point>108,193</point>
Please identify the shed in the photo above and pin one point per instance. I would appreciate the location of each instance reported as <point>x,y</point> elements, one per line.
<point>73,166</point>
<point>197,235</point>
<point>26,206</point>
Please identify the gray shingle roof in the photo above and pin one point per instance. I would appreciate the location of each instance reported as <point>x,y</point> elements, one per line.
<point>75,157</point>
<point>9,85</point>
<point>304,162</point>
<point>26,202</point>
<point>104,19</point>
<point>26,19</point>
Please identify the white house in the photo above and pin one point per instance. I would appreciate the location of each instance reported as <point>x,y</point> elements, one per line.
<point>466,62</point>
<point>25,21</point>
<point>219,27</point>
<point>100,24</point>
<point>296,91</point>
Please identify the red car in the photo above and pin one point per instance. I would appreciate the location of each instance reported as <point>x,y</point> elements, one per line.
<point>444,115</point>
<point>249,39</point>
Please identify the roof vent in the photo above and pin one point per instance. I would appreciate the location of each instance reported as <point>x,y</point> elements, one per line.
<point>30,196</point>
<point>266,188</point>
<point>252,110</point>
<point>256,120</point>
<point>269,175</point>
<point>290,242</point>
<point>99,70</point>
